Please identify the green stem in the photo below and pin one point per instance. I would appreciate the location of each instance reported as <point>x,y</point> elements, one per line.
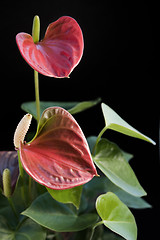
<point>12,207</point>
<point>22,220</point>
<point>30,188</point>
<point>93,229</point>
<point>35,36</point>
<point>36,83</point>
<point>92,233</point>
<point>21,172</point>
<point>98,138</point>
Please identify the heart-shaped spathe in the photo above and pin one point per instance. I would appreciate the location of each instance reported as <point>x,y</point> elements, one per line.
<point>58,53</point>
<point>59,156</point>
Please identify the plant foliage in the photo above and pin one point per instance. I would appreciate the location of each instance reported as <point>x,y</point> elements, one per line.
<point>60,195</point>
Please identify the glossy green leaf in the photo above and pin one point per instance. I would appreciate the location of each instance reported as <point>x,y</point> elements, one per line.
<point>27,229</point>
<point>111,161</point>
<point>79,107</point>
<point>128,199</point>
<point>103,185</point>
<point>115,122</point>
<point>7,213</point>
<point>92,142</point>
<point>30,107</point>
<point>58,216</point>
<point>72,107</point>
<point>71,195</point>
<point>5,231</point>
<point>116,216</point>
<point>18,202</point>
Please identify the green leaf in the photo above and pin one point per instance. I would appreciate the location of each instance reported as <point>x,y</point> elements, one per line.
<point>110,159</point>
<point>128,199</point>
<point>115,122</point>
<point>84,105</point>
<point>102,185</point>
<point>116,216</point>
<point>5,231</point>
<point>25,230</point>
<point>71,195</point>
<point>30,107</point>
<point>16,226</point>
<point>7,212</point>
<point>92,142</point>
<point>72,107</point>
<point>58,216</point>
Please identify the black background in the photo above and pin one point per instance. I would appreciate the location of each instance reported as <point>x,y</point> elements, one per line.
<point>118,65</point>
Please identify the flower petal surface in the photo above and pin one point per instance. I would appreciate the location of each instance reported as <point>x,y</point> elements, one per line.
<point>58,53</point>
<point>59,156</point>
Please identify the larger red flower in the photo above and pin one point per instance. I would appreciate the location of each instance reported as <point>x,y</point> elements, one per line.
<point>58,53</point>
<point>58,157</point>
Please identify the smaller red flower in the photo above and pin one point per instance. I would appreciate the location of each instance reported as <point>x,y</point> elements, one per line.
<point>58,53</point>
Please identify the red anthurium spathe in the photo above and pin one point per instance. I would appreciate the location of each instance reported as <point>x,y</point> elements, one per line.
<point>58,157</point>
<point>58,53</point>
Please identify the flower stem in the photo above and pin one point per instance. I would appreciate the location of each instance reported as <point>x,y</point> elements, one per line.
<point>98,139</point>
<point>21,171</point>
<point>93,229</point>
<point>12,207</point>
<point>36,83</point>
<point>35,36</point>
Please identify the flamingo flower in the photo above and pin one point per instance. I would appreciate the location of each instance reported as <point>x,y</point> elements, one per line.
<point>58,53</point>
<point>58,157</point>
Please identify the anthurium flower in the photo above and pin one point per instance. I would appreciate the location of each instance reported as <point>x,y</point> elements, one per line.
<point>58,53</point>
<point>9,159</point>
<point>58,157</point>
